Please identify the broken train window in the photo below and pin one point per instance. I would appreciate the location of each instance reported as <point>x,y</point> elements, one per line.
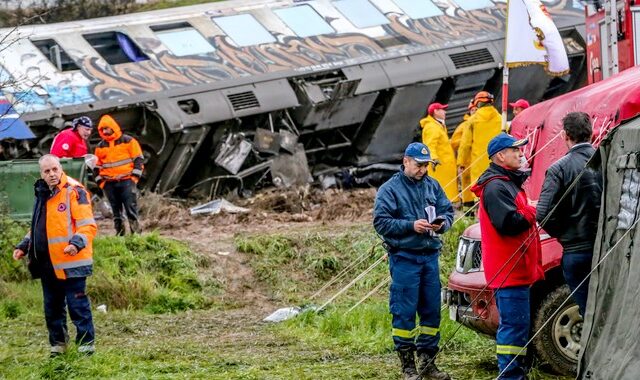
<point>55,54</point>
<point>115,47</point>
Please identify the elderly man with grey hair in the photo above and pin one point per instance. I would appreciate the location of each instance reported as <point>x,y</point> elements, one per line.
<point>59,251</point>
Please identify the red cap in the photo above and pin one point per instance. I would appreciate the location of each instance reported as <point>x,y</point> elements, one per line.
<point>436,106</point>
<point>520,103</point>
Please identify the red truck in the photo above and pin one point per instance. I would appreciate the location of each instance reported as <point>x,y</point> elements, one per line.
<point>609,102</point>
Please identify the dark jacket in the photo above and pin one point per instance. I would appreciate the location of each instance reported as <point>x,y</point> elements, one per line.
<point>400,202</point>
<point>498,198</point>
<point>35,243</point>
<point>511,251</point>
<point>575,221</point>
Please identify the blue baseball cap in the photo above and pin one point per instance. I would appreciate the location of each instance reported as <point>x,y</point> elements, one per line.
<point>418,151</point>
<point>504,141</point>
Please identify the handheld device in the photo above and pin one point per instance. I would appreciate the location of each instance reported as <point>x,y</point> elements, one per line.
<point>438,220</point>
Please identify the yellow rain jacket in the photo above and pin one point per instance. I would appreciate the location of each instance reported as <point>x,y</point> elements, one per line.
<point>484,125</point>
<point>465,179</point>
<point>434,136</point>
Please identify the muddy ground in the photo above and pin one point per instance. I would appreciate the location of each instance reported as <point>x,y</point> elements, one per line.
<point>271,211</point>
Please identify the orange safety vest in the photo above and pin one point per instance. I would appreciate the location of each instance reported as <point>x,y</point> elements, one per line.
<point>69,216</point>
<point>119,155</point>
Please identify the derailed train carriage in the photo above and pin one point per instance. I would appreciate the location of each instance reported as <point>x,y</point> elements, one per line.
<point>241,93</point>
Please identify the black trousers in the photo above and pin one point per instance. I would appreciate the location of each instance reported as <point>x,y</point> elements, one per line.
<point>60,295</point>
<point>123,195</point>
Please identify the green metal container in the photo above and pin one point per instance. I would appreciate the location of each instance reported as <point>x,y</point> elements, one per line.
<point>18,176</point>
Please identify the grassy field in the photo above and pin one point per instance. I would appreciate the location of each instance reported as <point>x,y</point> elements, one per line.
<point>167,318</point>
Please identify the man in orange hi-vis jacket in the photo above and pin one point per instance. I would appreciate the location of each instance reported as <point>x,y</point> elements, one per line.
<point>59,251</point>
<point>118,169</point>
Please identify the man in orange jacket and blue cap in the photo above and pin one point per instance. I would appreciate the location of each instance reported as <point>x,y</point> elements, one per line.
<point>59,251</point>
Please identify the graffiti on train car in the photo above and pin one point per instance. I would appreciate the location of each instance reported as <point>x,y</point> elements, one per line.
<point>458,26</point>
<point>163,70</point>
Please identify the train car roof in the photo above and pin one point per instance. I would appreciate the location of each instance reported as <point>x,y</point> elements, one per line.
<point>83,65</point>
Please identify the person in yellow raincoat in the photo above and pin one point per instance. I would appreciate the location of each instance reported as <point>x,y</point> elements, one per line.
<point>484,125</point>
<point>456,138</point>
<point>436,138</point>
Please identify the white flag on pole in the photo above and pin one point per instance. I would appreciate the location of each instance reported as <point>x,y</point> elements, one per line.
<point>532,38</point>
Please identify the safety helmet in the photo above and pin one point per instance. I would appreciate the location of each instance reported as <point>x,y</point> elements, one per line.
<point>484,97</point>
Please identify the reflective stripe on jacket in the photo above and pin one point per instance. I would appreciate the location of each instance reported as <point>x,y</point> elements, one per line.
<point>434,136</point>
<point>70,221</point>
<point>119,155</point>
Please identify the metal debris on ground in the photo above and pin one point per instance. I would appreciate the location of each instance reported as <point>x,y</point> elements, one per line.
<point>216,206</point>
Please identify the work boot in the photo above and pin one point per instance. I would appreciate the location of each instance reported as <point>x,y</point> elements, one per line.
<point>135,227</point>
<point>408,362</point>
<point>118,225</point>
<point>427,368</point>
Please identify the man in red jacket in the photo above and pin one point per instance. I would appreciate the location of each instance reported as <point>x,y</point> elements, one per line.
<point>511,250</point>
<point>71,142</point>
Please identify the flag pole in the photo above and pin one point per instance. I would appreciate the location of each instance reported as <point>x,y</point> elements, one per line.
<point>505,74</point>
<point>505,95</point>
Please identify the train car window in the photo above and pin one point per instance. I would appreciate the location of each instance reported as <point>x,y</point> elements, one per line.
<point>418,8</point>
<point>244,30</point>
<point>304,21</point>
<point>469,5</point>
<point>115,47</point>
<point>361,13</point>
<point>182,39</point>
<point>56,54</point>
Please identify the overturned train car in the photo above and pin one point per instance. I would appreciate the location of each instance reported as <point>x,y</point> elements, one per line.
<point>240,93</point>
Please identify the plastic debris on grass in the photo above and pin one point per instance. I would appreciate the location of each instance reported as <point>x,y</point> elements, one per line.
<point>217,206</point>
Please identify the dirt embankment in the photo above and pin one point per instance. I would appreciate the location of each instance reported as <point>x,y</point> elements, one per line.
<point>267,210</point>
<point>271,211</point>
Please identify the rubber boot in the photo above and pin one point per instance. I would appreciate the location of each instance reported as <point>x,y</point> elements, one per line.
<point>118,224</point>
<point>408,362</point>
<point>427,368</point>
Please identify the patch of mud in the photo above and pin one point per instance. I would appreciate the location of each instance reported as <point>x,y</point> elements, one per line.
<point>303,204</point>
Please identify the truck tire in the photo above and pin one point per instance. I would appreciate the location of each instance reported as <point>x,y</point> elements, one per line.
<point>558,343</point>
